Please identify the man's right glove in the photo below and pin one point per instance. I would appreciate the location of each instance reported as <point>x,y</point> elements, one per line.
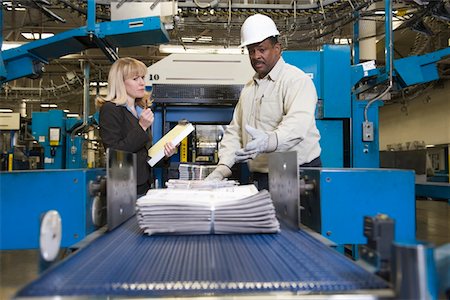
<point>261,142</point>
<point>220,173</point>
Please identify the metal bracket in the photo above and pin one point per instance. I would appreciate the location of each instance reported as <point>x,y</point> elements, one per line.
<point>284,186</point>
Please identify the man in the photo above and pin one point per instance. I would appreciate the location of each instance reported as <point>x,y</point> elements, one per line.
<point>275,111</point>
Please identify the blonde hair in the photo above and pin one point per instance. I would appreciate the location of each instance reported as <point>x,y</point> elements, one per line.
<point>121,70</point>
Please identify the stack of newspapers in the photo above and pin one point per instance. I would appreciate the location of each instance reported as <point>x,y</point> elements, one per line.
<point>224,210</point>
<point>194,171</point>
<point>200,184</point>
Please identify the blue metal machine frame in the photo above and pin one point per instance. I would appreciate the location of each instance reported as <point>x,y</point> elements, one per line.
<point>28,59</point>
<point>26,195</point>
<point>344,196</point>
<point>67,152</point>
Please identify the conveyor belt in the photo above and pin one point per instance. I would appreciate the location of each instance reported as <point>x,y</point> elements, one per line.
<point>125,262</point>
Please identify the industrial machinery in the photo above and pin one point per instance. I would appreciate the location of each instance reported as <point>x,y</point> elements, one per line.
<point>28,60</point>
<point>19,150</point>
<point>75,193</point>
<point>334,201</point>
<point>63,139</point>
<point>205,97</point>
<point>294,263</point>
<point>26,196</point>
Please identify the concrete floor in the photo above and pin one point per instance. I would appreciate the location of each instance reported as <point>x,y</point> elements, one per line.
<point>19,267</point>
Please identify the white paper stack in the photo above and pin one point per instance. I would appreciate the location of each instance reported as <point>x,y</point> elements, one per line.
<point>195,172</point>
<point>200,184</point>
<point>237,209</point>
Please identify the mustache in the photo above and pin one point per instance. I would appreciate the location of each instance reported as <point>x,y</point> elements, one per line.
<point>257,61</point>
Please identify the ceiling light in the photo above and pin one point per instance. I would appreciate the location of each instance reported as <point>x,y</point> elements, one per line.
<point>11,45</point>
<point>100,83</point>
<point>73,115</point>
<point>201,49</point>
<point>201,39</point>
<point>47,105</point>
<point>382,12</point>
<point>342,41</point>
<point>36,35</point>
<point>6,110</point>
<point>66,110</point>
<point>8,5</point>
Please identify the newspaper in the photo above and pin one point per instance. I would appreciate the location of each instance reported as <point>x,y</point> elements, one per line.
<point>191,171</point>
<point>200,184</point>
<point>235,209</point>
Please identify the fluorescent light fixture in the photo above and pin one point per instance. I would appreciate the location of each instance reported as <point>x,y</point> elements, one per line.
<point>382,12</point>
<point>342,41</point>
<point>201,39</point>
<point>202,49</point>
<point>430,146</point>
<point>73,115</point>
<point>11,45</point>
<point>8,5</point>
<point>6,110</point>
<point>101,83</point>
<point>66,110</point>
<point>47,105</point>
<point>36,35</point>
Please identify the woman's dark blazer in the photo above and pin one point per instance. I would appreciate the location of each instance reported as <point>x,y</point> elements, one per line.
<point>120,130</point>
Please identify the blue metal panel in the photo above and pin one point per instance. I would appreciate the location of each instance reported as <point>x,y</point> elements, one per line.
<point>336,81</point>
<point>330,70</point>
<point>26,195</point>
<point>75,146</point>
<point>331,142</point>
<point>347,195</point>
<point>310,62</point>
<point>420,69</point>
<point>365,154</point>
<point>54,156</point>
<point>75,152</point>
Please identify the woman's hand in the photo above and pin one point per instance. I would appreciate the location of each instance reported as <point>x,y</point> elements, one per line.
<point>146,118</point>
<point>169,149</point>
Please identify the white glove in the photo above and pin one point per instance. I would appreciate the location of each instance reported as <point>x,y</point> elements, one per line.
<point>261,142</point>
<point>220,173</point>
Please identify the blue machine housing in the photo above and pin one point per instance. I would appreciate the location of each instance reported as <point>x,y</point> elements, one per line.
<point>330,71</point>
<point>42,124</point>
<point>76,147</point>
<point>26,195</point>
<point>68,152</point>
<point>344,196</point>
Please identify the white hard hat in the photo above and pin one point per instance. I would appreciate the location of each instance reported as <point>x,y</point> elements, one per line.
<point>256,29</point>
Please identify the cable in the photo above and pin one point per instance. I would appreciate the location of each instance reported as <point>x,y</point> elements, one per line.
<point>389,60</point>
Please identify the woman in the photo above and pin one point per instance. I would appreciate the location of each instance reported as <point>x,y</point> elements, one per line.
<point>125,118</point>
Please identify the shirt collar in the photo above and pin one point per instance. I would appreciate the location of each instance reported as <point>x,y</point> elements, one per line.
<point>138,110</point>
<point>274,74</point>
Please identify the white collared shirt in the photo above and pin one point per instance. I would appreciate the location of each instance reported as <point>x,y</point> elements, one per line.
<point>283,102</point>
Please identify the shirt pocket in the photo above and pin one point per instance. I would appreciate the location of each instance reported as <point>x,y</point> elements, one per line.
<point>271,111</point>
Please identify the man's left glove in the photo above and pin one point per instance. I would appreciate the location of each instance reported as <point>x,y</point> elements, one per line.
<point>261,142</point>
